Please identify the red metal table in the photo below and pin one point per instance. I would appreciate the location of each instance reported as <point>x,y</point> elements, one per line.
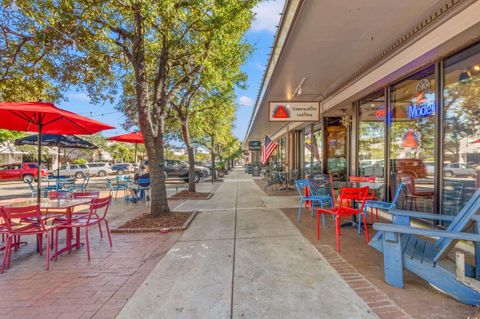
<point>61,206</point>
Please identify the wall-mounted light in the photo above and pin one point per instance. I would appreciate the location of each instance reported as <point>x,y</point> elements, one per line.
<point>298,89</point>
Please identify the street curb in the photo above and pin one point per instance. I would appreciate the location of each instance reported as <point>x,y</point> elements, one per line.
<point>156,229</point>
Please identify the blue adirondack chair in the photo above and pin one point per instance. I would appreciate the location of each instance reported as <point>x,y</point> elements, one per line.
<point>403,248</point>
<point>375,204</point>
<point>300,185</point>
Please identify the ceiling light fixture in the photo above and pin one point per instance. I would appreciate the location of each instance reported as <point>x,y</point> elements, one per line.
<point>298,90</point>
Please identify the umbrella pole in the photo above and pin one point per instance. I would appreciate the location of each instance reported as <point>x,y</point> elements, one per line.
<point>58,165</point>
<point>136,153</point>
<point>39,170</point>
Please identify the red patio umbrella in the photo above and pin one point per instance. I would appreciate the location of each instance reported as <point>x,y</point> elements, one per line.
<point>42,117</point>
<point>134,138</point>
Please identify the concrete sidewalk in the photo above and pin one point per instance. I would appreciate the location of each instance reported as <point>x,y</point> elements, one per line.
<point>243,258</point>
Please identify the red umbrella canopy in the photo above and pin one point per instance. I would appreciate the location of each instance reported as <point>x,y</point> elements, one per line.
<point>134,137</point>
<point>35,116</point>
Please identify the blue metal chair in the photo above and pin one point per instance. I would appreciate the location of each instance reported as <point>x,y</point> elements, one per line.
<point>323,191</point>
<point>143,188</point>
<point>375,204</point>
<point>115,188</point>
<point>300,185</point>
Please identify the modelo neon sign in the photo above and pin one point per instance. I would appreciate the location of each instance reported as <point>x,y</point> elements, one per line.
<point>423,110</point>
<point>424,104</point>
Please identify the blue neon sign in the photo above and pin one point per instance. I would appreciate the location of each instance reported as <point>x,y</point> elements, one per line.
<point>424,110</point>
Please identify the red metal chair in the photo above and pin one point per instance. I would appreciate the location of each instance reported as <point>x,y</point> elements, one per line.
<point>371,196</point>
<point>22,221</point>
<point>96,215</point>
<point>359,195</point>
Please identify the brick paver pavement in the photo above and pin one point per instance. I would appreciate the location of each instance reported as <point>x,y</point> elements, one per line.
<point>77,288</point>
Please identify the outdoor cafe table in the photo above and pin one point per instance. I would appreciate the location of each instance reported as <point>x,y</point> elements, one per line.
<point>61,206</point>
<point>375,187</point>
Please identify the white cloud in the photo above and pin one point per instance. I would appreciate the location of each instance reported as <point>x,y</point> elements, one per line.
<point>245,101</point>
<point>79,97</point>
<point>260,66</point>
<point>267,15</point>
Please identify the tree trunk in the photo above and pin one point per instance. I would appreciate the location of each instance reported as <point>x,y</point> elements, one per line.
<point>153,140</point>
<point>214,174</point>
<point>191,156</point>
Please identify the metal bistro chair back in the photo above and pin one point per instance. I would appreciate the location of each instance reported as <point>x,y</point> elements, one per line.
<point>143,188</point>
<point>33,224</point>
<point>83,186</point>
<point>86,194</point>
<point>386,206</point>
<point>60,195</point>
<point>362,179</point>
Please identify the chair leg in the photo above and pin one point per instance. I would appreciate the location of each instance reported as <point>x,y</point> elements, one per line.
<point>87,243</point>
<point>100,229</point>
<point>318,226</point>
<point>337,231</point>
<point>359,219</point>
<point>56,244</point>
<point>365,229</point>
<point>40,244</point>
<point>47,255</point>
<point>77,241</point>
<point>6,252</point>
<point>108,233</point>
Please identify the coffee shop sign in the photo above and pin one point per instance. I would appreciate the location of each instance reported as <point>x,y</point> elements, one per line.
<point>294,111</point>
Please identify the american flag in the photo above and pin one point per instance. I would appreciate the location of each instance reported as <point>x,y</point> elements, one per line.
<point>313,149</point>
<point>267,149</point>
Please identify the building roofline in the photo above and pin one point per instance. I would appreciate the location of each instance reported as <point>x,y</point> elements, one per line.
<point>287,21</point>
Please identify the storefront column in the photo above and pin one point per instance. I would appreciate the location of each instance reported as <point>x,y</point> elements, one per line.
<point>300,151</point>
<point>353,145</point>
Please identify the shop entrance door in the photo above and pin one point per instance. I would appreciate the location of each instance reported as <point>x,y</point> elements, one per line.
<point>336,148</point>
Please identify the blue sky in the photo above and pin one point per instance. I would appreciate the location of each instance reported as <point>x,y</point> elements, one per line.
<point>260,36</point>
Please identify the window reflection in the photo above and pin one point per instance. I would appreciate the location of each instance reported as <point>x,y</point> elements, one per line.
<point>412,136</point>
<point>372,137</point>
<point>461,144</point>
<point>313,149</point>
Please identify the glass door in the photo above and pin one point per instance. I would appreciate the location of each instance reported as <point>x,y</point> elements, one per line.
<point>336,148</point>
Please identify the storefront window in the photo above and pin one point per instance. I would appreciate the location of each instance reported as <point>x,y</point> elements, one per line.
<point>371,137</point>
<point>313,149</point>
<point>412,139</point>
<point>461,141</point>
<point>336,148</point>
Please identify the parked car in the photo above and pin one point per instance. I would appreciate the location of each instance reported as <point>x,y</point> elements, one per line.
<point>458,169</point>
<point>204,169</point>
<point>179,169</point>
<point>122,168</point>
<point>76,170</point>
<point>26,172</point>
<point>100,169</point>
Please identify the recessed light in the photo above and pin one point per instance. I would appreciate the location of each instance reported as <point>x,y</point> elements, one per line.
<point>476,68</point>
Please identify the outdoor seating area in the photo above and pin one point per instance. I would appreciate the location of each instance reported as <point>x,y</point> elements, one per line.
<point>350,202</point>
<point>49,217</point>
